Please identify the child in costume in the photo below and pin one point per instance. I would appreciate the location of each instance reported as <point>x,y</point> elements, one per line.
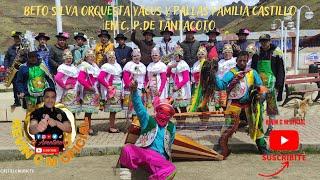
<point>153,147</point>
<point>180,88</point>
<point>156,77</point>
<point>111,87</point>
<point>88,85</point>
<point>67,84</point>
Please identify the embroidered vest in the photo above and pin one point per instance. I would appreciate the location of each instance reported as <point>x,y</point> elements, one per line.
<point>37,82</point>
<point>240,89</point>
<point>148,135</point>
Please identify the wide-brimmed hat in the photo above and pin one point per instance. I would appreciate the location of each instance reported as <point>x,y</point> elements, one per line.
<point>192,30</point>
<point>243,31</point>
<point>80,35</point>
<point>171,31</point>
<point>148,31</point>
<point>120,36</point>
<point>64,35</point>
<point>40,35</point>
<point>214,30</point>
<point>264,37</point>
<point>16,34</point>
<point>104,33</point>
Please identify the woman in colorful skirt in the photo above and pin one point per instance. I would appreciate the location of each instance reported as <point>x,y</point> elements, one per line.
<point>224,65</point>
<point>156,77</point>
<point>111,88</point>
<point>88,85</point>
<point>179,71</point>
<point>195,70</point>
<point>205,86</point>
<point>66,79</point>
<point>134,70</point>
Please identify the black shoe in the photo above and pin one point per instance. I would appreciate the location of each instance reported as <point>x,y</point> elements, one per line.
<point>263,150</point>
<point>267,134</point>
<point>16,105</point>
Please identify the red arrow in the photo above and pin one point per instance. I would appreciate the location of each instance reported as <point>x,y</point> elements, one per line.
<point>285,165</point>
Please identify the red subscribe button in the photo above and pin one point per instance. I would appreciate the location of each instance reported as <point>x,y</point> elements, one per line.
<point>284,140</point>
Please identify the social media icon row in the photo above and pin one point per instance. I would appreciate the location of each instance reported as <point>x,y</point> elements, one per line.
<point>46,136</point>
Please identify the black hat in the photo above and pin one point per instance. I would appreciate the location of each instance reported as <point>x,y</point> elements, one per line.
<point>192,30</point>
<point>64,35</point>
<point>80,35</point>
<point>42,35</point>
<point>243,31</point>
<point>214,30</point>
<point>167,30</point>
<point>264,37</point>
<point>120,36</point>
<point>16,34</point>
<point>104,33</point>
<point>148,31</point>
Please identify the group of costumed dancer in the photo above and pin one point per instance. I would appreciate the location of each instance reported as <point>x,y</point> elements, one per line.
<point>230,84</point>
<point>235,88</point>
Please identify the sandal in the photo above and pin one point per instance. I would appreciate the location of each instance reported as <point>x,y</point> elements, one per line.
<point>113,130</point>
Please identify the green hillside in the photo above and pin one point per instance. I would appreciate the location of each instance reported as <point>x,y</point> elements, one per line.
<point>259,23</point>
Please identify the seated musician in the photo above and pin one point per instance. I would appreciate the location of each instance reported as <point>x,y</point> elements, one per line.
<point>48,123</point>
<point>153,147</point>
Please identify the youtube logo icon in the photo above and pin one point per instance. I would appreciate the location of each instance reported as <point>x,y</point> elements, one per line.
<point>284,140</point>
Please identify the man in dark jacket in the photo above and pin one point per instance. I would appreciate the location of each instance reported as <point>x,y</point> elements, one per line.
<point>190,47</point>
<point>242,43</point>
<point>43,50</point>
<point>57,51</point>
<point>8,60</point>
<point>123,52</point>
<point>270,67</point>
<point>145,45</point>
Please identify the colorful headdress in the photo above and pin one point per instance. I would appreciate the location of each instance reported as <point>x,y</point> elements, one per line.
<point>227,48</point>
<point>164,106</point>
<point>111,54</point>
<point>178,51</point>
<point>251,48</point>
<point>202,50</point>
<point>90,52</point>
<point>67,54</point>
